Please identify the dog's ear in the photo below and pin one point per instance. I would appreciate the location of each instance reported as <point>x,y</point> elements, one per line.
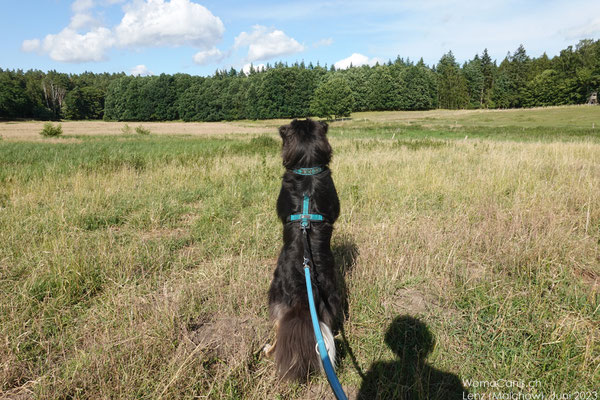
<point>283,131</point>
<point>324,127</point>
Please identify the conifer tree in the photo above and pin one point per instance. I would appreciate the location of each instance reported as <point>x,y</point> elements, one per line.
<point>475,79</point>
<point>333,98</point>
<point>452,86</point>
<point>488,69</point>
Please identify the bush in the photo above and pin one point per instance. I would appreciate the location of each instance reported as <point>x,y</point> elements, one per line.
<point>141,130</point>
<point>126,130</point>
<point>50,130</point>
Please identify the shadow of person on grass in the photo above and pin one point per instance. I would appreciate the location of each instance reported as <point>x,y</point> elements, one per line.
<point>409,376</point>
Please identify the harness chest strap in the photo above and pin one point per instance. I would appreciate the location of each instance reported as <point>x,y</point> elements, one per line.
<point>305,216</point>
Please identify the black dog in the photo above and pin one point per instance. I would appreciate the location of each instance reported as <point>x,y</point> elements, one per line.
<point>305,147</point>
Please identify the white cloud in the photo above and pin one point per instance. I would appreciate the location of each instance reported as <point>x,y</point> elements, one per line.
<point>70,46</point>
<point>586,30</point>
<point>323,42</point>
<point>257,67</point>
<point>174,23</point>
<point>30,45</point>
<point>80,6</point>
<point>144,23</point>
<point>264,44</point>
<point>356,60</point>
<point>82,20</point>
<point>208,56</point>
<point>141,70</point>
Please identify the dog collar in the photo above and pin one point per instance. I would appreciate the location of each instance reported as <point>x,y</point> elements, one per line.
<point>309,171</point>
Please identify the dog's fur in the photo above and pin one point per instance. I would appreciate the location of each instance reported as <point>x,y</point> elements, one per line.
<point>305,145</point>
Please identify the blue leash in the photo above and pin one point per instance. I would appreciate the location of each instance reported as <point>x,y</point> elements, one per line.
<point>329,371</point>
<point>305,217</point>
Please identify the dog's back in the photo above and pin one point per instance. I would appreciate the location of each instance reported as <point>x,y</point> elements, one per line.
<point>305,145</point>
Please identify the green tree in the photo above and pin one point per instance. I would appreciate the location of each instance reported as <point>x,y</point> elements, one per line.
<point>114,103</point>
<point>539,65</point>
<point>515,71</point>
<point>55,86</point>
<point>544,90</point>
<point>357,78</point>
<point>588,70</point>
<point>501,92</point>
<point>452,85</point>
<point>385,89</point>
<point>420,91</point>
<point>475,78</point>
<point>488,69</point>
<point>333,98</point>
<point>84,103</point>
<point>161,92</point>
<point>14,102</point>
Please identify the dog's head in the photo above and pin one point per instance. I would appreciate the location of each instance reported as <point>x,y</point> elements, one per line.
<point>305,144</point>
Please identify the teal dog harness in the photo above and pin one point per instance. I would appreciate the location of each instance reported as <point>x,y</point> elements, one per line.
<point>305,217</point>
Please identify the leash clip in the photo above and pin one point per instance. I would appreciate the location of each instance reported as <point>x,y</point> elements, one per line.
<point>306,263</point>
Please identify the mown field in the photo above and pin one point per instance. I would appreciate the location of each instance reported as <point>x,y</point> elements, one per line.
<point>137,266</point>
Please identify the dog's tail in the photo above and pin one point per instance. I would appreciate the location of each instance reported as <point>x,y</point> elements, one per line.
<point>295,352</point>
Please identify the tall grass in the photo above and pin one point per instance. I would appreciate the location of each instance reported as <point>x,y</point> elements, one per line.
<point>137,266</point>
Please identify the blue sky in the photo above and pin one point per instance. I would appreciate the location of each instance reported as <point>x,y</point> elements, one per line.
<point>198,36</point>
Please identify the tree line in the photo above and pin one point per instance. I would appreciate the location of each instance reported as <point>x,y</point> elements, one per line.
<point>299,90</point>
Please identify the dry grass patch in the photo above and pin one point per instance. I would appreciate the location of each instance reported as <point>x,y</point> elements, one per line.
<point>30,130</point>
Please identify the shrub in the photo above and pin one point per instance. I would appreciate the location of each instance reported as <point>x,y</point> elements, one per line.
<point>141,130</point>
<point>50,130</point>
<point>126,130</point>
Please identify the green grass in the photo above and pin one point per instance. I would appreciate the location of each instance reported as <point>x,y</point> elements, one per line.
<point>136,266</point>
<point>23,161</point>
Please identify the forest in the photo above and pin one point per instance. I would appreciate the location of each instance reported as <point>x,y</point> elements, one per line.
<point>299,90</point>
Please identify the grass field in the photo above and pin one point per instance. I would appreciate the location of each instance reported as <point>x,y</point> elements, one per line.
<point>137,266</point>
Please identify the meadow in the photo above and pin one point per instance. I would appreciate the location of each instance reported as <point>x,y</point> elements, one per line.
<point>137,266</point>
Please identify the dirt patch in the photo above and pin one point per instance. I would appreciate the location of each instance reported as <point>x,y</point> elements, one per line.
<point>413,301</point>
<point>589,278</point>
<point>189,219</point>
<point>230,339</point>
<point>476,271</point>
